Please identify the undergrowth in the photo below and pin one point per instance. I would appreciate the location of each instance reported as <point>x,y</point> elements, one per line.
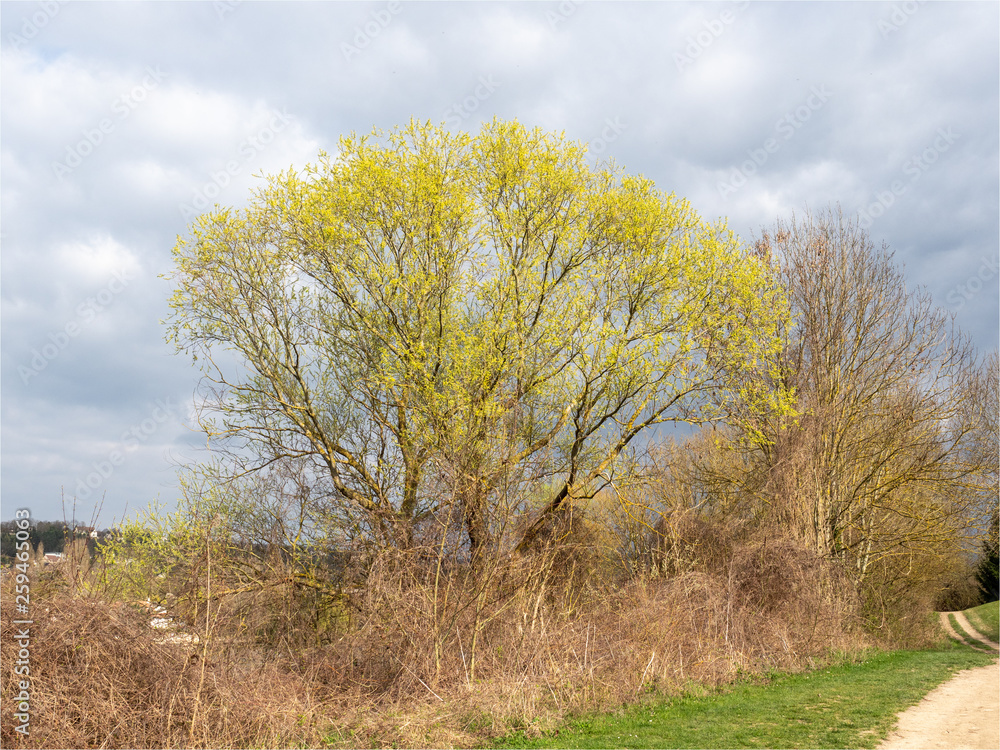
<point>423,654</point>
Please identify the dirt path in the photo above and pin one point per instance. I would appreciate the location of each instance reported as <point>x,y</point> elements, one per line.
<point>967,627</point>
<point>962,713</point>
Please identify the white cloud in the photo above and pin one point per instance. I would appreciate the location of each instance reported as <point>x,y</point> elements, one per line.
<point>95,261</point>
<point>516,39</point>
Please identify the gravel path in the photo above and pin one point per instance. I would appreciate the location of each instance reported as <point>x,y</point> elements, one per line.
<point>962,713</point>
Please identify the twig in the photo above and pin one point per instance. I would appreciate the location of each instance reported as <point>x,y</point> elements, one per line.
<point>464,665</point>
<point>418,679</point>
<point>639,686</point>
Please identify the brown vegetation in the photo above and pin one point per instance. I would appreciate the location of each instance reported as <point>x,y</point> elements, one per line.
<point>101,677</point>
<point>426,654</point>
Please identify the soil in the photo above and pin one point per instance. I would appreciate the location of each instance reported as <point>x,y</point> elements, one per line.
<point>962,713</point>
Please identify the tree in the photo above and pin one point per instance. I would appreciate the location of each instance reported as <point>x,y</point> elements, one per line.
<point>50,534</point>
<point>987,573</point>
<point>440,326</point>
<point>878,468</point>
<point>983,410</point>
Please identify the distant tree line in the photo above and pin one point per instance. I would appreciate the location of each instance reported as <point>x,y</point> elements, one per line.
<point>51,535</point>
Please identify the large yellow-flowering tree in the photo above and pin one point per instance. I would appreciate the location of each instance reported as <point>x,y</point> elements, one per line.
<point>454,331</point>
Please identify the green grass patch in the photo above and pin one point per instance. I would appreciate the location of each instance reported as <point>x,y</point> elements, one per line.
<point>960,631</point>
<point>963,633</point>
<point>986,619</point>
<point>845,706</point>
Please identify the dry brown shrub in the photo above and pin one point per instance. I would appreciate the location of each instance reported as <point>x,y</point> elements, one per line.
<point>101,677</point>
<point>436,651</point>
<point>793,605</point>
<point>685,540</point>
<point>453,657</point>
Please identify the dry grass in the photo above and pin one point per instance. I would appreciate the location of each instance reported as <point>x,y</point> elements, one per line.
<point>453,663</point>
<point>102,677</point>
<point>433,653</point>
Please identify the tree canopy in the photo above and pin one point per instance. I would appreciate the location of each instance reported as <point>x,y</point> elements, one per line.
<point>451,330</point>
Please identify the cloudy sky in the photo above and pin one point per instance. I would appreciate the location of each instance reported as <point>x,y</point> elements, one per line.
<point>119,122</point>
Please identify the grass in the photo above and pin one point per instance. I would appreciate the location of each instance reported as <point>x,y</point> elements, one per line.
<point>846,706</point>
<point>967,639</point>
<point>986,619</point>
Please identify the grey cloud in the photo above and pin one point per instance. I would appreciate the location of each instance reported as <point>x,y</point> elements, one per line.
<point>606,73</point>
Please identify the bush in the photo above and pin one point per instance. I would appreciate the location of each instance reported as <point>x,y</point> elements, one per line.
<point>102,677</point>
<point>959,594</point>
<point>987,577</point>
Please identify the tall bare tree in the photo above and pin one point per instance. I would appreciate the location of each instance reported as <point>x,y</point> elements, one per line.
<point>878,468</point>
